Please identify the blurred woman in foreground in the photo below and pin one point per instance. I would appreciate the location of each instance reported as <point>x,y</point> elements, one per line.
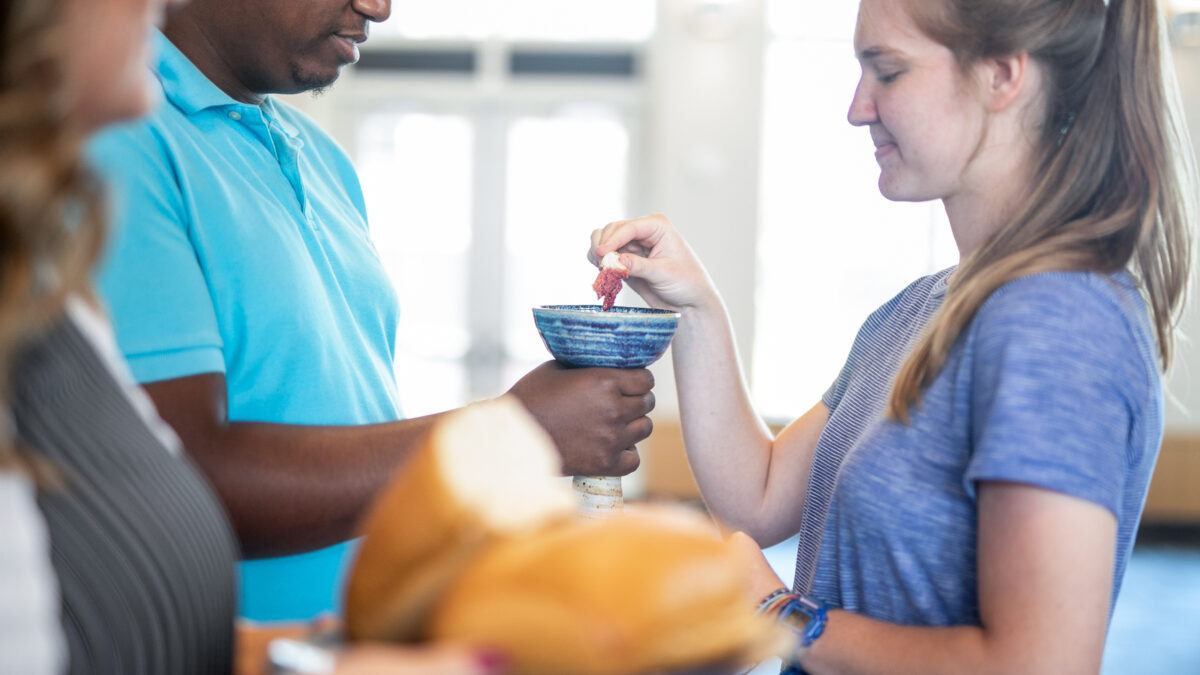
<point>116,555</point>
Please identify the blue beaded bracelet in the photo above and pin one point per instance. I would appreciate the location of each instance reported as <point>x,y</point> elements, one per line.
<point>785,604</point>
<point>816,613</point>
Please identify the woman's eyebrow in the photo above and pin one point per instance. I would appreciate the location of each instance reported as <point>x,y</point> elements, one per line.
<point>872,53</point>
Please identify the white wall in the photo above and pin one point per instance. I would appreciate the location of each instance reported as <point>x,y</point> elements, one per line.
<point>1183,406</point>
<point>705,118</point>
<point>702,131</point>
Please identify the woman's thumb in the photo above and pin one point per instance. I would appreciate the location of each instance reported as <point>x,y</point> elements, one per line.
<point>641,267</point>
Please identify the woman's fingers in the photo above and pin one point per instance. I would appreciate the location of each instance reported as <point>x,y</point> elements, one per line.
<point>646,232</point>
<point>377,659</point>
<point>592,256</point>
<point>763,578</point>
<point>635,248</point>
<point>632,247</point>
<point>642,267</point>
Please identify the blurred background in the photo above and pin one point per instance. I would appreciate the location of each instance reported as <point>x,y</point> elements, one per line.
<point>493,137</point>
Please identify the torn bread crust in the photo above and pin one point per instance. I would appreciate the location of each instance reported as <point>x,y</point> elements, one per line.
<point>613,261</point>
<point>649,591</point>
<point>484,471</point>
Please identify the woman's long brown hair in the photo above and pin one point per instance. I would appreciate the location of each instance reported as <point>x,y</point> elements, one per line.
<point>51,224</point>
<point>1113,161</point>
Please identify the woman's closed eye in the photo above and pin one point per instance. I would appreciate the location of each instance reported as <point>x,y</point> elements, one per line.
<point>889,77</point>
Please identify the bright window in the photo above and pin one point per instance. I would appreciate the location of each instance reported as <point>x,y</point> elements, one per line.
<point>566,177</point>
<point>416,171</point>
<point>565,173</point>
<point>553,20</point>
<point>483,184</point>
<point>831,249</point>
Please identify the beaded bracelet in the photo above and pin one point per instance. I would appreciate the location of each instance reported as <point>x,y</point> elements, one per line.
<point>804,614</point>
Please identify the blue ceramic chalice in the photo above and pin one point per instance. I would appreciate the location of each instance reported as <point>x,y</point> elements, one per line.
<point>586,336</point>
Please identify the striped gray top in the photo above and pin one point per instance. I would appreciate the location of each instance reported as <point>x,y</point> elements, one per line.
<point>142,551</point>
<point>884,340</point>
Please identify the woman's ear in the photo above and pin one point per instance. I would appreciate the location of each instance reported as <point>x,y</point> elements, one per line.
<point>1004,79</point>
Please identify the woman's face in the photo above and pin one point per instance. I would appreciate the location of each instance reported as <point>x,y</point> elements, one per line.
<point>917,104</point>
<point>108,73</point>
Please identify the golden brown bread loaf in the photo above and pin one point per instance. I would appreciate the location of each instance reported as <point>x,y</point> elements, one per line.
<point>635,593</point>
<point>475,541</point>
<point>484,470</point>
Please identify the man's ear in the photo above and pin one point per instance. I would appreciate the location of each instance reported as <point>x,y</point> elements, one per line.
<point>1004,78</point>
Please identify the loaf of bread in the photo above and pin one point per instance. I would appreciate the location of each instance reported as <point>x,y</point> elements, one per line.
<point>636,593</point>
<point>482,472</point>
<point>476,542</point>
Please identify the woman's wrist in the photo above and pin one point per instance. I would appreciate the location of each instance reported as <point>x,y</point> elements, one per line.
<point>706,303</point>
<point>803,614</point>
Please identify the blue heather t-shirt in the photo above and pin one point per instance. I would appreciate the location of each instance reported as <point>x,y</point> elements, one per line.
<point>1054,384</point>
<point>240,246</point>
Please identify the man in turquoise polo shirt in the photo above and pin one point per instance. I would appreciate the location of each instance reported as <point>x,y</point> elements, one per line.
<point>249,300</point>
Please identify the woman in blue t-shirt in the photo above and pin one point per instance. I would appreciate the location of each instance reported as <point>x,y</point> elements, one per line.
<point>968,490</point>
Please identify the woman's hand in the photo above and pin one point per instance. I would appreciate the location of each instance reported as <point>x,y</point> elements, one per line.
<point>253,640</point>
<point>763,579</point>
<point>380,659</point>
<point>662,267</point>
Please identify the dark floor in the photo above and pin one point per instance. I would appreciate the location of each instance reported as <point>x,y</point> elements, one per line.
<point>1156,625</point>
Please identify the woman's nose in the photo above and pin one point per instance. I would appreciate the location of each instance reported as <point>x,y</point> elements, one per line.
<point>862,106</point>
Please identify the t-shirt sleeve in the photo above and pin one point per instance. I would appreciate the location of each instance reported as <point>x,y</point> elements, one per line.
<point>150,277</point>
<point>869,334</point>
<point>833,395</point>
<point>1055,390</point>
<point>31,638</point>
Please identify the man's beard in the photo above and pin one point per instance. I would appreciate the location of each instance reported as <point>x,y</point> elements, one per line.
<point>311,82</point>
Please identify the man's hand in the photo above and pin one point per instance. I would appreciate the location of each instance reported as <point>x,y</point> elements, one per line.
<point>595,415</point>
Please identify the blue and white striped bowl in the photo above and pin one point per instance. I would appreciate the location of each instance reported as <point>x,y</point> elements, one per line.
<point>585,336</point>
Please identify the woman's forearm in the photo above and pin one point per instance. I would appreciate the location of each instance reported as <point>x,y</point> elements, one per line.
<point>853,644</point>
<point>856,645</point>
<point>730,448</point>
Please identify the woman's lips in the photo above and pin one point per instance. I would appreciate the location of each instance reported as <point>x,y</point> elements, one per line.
<point>884,150</point>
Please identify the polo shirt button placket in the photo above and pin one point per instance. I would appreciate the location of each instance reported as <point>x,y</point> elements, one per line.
<point>235,115</point>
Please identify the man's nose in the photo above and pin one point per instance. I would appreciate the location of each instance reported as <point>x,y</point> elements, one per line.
<point>375,10</point>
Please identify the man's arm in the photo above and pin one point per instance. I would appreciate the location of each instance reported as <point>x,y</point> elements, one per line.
<point>290,488</point>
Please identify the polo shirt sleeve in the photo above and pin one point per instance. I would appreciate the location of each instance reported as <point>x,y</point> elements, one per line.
<point>1057,381</point>
<point>150,277</point>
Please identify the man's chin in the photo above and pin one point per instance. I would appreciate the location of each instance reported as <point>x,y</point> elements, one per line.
<point>306,79</point>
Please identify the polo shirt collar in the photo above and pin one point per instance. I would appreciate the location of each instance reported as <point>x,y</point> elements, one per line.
<point>271,109</point>
<point>183,84</point>
<point>191,91</point>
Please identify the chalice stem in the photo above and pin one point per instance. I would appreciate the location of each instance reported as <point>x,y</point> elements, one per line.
<point>599,496</point>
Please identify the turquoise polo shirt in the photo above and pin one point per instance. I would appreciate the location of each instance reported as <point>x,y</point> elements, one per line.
<point>240,246</point>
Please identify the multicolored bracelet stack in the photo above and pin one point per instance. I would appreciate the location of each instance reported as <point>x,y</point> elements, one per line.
<point>802,613</point>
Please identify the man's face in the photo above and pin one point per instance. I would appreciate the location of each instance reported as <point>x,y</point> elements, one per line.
<point>290,46</point>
